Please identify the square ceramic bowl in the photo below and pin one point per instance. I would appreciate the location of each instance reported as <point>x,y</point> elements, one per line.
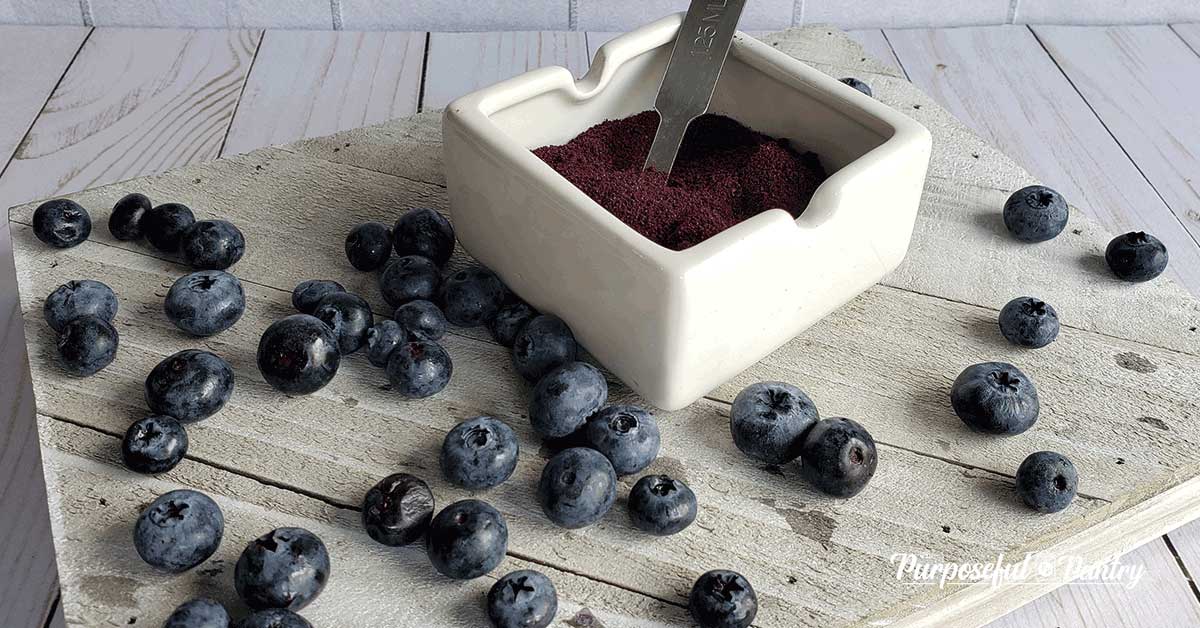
<point>673,325</point>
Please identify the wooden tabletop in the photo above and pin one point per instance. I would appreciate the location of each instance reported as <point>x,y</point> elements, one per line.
<point>1099,113</point>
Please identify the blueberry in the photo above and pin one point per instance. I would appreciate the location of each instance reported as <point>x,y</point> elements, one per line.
<point>838,457</point>
<point>382,340</point>
<point>79,298</point>
<point>285,568</point>
<point>422,320</point>
<point>479,453</point>
<point>424,232</point>
<point>61,223</point>
<point>307,293</point>
<point>212,244</point>
<point>768,420</point>
<point>542,345</point>
<point>419,369</point>
<point>1136,256</point>
<point>164,225</point>
<point>125,221</point>
<point>577,487</point>
<point>722,599</point>
<point>205,302</point>
<point>472,296</point>
<point>661,506</point>
<point>409,278</point>
<point>398,509</point>
<point>1035,214</point>
<point>369,245</point>
<point>522,599</point>
<point>1047,481</point>
<point>179,530</point>
<point>190,385</point>
<point>467,539</point>
<point>349,316</point>
<point>1029,322</point>
<point>87,344</point>
<point>564,399</point>
<point>509,320</point>
<point>995,397</point>
<point>154,444</point>
<point>626,435</point>
<point>199,613</point>
<point>857,84</point>
<point>298,355</point>
<point>273,618</point>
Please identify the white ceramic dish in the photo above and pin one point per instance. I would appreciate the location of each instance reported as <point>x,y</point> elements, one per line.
<point>673,325</point>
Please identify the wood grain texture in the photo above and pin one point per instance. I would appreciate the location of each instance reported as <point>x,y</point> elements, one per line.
<point>1190,34</point>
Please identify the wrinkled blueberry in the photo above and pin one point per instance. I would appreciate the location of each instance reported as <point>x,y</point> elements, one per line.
<point>1035,214</point>
<point>87,344</point>
<point>543,344</point>
<point>857,84</point>
<point>212,244</point>
<point>164,225</point>
<point>768,419</point>
<point>205,302</point>
<point>349,316</point>
<point>307,293</point>
<point>298,355</point>
<point>424,232</point>
<point>154,444</point>
<point>1047,481</point>
<point>422,320</point>
<point>179,530</point>
<point>1029,322</point>
<point>409,278</point>
<point>419,369</point>
<point>479,453</point>
<point>285,568</point>
<point>61,223</point>
<point>577,487</point>
<point>273,618</point>
<point>509,320</point>
<point>398,509</point>
<point>199,613</point>
<point>627,435</point>
<point>565,398</point>
<point>522,599</point>
<point>79,298</point>
<point>472,296</point>
<point>125,221</point>
<point>661,506</point>
<point>838,457</point>
<point>382,340</point>
<point>1136,256</point>
<point>467,539</point>
<point>190,385</point>
<point>722,599</point>
<point>995,397</point>
<point>369,245</point>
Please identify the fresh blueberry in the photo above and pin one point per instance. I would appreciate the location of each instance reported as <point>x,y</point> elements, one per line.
<point>212,244</point>
<point>349,316</point>
<point>179,530</point>
<point>154,444</point>
<point>661,506</point>
<point>626,435</point>
<point>398,509</point>
<point>424,232</point>
<point>190,385</point>
<point>409,278</point>
<point>1047,481</point>
<point>542,345</point>
<point>564,399</point>
<point>1029,322</point>
<point>522,599</point>
<point>722,599</point>
<point>857,84</point>
<point>307,294</point>
<point>1035,214</point>
<point>382,340</point>
<point>419,369</point>
<point>199,613</point>
<point>298,355</point>
<point>838,457</point>
<point>284,568</point>
<point>509,320</point>
<point>479,453</point>
<point>87,344</point>
<point>125,221</point>
<point>577,487</point>
<point>422,320</point>
<point>79,298</point>
<point>995,397</point>
<point>273,618</point>
<point>467,539</point>
<point>61,223</point>
<point>164,225</point>
<point>471,297</point>
<point>205,302</point>
<point>768,420</point>
<point>1136,256</point>
<point>369,245</point>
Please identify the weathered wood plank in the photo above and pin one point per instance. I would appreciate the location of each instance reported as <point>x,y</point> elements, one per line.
<point>1190,34</point>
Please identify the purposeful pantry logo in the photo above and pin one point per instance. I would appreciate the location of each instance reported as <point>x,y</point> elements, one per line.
<point>1029,569</point>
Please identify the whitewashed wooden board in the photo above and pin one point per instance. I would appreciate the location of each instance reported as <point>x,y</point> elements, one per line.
<point>1125,367</point>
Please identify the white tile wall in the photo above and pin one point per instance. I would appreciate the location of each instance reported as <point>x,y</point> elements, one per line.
<point>624,15</point>
<point>1107,11</point>
<point>905,13</point>
<point>455,15</point>
<point>41,12</point>
<point>306,14</point>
